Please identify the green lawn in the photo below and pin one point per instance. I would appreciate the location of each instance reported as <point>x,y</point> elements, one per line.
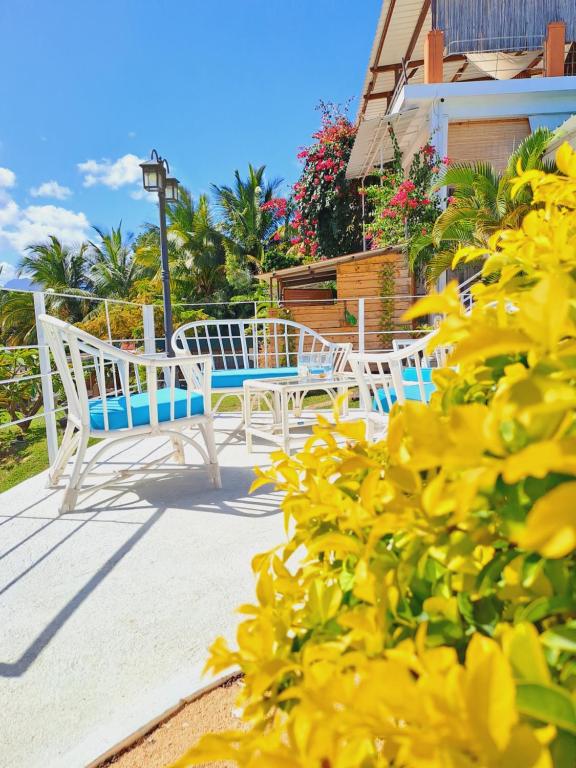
<point>26,458</point>
<point>29,455</point>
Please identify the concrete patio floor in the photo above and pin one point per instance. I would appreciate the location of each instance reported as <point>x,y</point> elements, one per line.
<point>106,613</point>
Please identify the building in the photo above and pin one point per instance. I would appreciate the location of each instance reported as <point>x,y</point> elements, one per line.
<point>358,298</point>
<point>474,77</point>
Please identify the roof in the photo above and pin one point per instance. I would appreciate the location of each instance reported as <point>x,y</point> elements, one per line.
<point>398,43</point>
<point>320,268</point>
<point>566,132</point>
<point>373,144</point>
<point>397,54</point>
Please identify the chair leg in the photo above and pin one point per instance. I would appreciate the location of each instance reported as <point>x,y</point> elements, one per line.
<point>69,440</point>
<point>178,446</point>
<point>207,430</point>
<point>71,492</point>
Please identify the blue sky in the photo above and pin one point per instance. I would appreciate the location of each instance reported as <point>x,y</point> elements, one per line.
<point>90,86</point>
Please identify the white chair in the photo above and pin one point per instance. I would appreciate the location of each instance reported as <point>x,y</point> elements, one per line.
<point>263,348</point>
<point>385,378</point>
<point>124,409</point>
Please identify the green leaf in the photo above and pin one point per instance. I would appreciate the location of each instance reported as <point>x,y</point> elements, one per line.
<point>561,638</point>
<point>544,606</point>
<point>547,703</point>
<point>563,750</point>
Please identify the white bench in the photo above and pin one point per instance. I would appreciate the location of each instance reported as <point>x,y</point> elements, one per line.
<point>244,350</point>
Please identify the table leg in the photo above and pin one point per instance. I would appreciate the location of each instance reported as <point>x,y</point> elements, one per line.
<point>285,422</point>
<point>248,418</point>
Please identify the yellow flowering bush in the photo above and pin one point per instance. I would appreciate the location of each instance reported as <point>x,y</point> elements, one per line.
<point>423,610</point>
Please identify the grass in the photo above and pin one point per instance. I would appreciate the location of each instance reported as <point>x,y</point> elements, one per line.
<point>25,457</point>
<point>28,456</point>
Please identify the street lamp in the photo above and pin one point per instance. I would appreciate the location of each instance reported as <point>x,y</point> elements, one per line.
<point>155,178</point>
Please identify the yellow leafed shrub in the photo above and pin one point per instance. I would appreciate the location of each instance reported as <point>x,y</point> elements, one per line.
<point>423,610</point>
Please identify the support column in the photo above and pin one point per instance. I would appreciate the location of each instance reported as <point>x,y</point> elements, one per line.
<point>434,56</point>
<point>554,49</point>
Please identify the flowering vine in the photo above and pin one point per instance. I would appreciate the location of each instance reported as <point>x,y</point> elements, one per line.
<point>402,204</point>
<point>328,206</point>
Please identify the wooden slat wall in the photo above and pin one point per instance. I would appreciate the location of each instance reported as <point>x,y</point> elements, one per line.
<point>358,279</point>
<point>491,140</point>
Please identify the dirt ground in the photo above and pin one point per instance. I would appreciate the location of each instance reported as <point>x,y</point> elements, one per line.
<point>210,713</point>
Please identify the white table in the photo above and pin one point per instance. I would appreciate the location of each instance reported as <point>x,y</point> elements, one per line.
<point>284,398</point>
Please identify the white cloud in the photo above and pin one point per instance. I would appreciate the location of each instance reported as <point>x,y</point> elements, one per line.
<point>21,227</point>
<point>125,170</point>
<point>51,189</point>
<point>141,194</point>
<point>7,272</point>
<point>9,209</point>
<point>7,177</point>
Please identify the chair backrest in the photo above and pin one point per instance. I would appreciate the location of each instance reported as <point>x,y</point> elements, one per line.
<point>380,377</point>
<point>270,342</point>
<point>113,372</point>
<point>415,349</point>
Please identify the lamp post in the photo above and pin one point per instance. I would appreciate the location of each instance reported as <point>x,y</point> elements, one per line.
<point>156,178</point>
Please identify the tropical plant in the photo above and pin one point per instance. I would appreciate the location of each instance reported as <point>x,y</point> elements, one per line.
<point>17,318</point>
<point>480,203</point>
<point>328,206</point>
<point>195,251</point>
<point>59,268</point>
<point>114,270</point>
<point>246,222</point>
<point>21,399</point>
<point>422,612</point>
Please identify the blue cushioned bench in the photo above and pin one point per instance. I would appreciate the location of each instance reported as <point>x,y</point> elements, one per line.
<point>256,348</point>
<point>236,377</point>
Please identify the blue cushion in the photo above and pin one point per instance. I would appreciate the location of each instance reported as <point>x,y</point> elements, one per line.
<point>411,392</point>
<point>411,374</point>
<point>235,377</point>
<point>118,417</point>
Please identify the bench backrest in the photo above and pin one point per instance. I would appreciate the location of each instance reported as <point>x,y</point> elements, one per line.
<point>255,343</point>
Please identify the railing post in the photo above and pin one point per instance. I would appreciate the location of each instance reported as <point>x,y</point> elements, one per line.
<point>46,379</point>
<point>149,330</point>
<point>361,326</point>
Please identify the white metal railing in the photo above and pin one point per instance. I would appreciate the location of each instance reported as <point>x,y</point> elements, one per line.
<point>365,332</point>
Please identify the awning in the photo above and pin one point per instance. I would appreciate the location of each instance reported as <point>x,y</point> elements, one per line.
<point>373,145</point>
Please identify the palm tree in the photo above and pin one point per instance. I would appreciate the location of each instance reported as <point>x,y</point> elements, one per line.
<point>59,268</point>
<point>247,227</point>
<point>114,269</point>
<point>195,250</point>
<point>480,204</point>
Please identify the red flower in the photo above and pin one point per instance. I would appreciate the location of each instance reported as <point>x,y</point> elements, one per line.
<point>451,199</point>
<point>446,160</point>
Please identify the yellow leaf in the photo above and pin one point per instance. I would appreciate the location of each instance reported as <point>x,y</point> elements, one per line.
<point>486,341</point>
<point>446,302</point>
<point>551,523</point>
<point>539,459</point>
<point>566,159</point>
<point>522,647</point>
<point>490,694</point>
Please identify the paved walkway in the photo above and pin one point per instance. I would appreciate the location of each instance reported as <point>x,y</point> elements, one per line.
<point>106,613</point>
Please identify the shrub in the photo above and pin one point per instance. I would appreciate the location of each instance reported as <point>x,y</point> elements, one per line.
<point>422,612</point>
